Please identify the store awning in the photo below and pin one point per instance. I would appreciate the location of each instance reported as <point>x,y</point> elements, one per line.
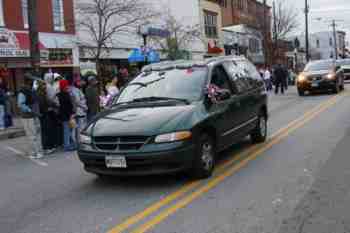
<point>53,40</point>
<point>24,42</point>
<point>136,56</point>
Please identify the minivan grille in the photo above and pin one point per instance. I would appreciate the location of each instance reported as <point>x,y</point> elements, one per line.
<point>120,143</point>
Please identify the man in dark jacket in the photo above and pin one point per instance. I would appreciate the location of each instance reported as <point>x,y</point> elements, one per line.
<point>2,105</point>
<point>27,102</point>
<point>92,98</point>
<point>280,75</point>
<point>66,113</point>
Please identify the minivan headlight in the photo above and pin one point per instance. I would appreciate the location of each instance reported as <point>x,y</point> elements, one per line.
<point>85,139</point>
<point>173,137</point>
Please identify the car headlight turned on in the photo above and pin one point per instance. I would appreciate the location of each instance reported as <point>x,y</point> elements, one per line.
<point>301,78</point>
<point>331,76</point>
<point>85,139</point>
<point>173,137</point>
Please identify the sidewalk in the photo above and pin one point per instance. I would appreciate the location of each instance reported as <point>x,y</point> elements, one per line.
<point>13,132</point>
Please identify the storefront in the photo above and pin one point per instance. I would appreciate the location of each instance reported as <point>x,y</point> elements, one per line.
<point>58,52</point>
<point>63,54</point>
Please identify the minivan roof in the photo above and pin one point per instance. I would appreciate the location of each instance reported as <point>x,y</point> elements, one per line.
<point>185,64</point>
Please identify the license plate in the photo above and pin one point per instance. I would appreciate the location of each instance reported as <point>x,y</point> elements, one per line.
<point>115,162</point>
<point>314,84</point>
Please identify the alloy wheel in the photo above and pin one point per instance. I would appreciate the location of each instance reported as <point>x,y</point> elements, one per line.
<point>207,155</point>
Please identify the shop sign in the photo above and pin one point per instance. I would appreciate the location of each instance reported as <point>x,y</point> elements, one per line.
<point>88,67</point>
<point>148,30</point>
<point>58,57</point>
<point>6,52</point>
<point>9,45</point>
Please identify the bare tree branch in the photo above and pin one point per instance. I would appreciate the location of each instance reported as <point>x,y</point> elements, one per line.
<point>181,36</point>
<point>286,20</point>
<point>101,20</point>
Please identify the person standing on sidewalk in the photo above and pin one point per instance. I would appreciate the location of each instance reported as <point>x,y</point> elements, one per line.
<point>45,124</point>
<point>92,98</point>
<point>66,113</point>
<point>267,79</point>
<point>3,99</point>
<point>79,102</point>
<point>280,76</point>
<point>56,132</point>
<point>27,102</point>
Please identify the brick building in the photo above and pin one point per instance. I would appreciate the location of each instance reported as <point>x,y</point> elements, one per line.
<point>56,35</point>
<point>244,27</point>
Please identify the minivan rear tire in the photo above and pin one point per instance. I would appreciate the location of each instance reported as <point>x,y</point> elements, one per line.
<point>259,134</point>
<point>204,162</point>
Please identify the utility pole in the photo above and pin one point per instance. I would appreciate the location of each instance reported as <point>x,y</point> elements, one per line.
<point>34,36</point>
<point>265,32</point>
<point>335,39</point>
<point>275,37</point>
<point>307,30</point>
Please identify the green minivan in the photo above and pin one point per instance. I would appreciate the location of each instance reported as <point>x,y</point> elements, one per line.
<point>177,116</point>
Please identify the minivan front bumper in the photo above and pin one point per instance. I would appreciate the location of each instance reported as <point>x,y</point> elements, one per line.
<point>138,164</point>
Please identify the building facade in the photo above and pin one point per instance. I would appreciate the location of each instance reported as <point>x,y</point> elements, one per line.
<point>205,13</point>
<point>211,22</point>
<point>322,44</point>
<point>56,26</point>
<point>245,24</point>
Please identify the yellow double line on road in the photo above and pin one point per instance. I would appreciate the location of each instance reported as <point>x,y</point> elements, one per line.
<point>224,170</point>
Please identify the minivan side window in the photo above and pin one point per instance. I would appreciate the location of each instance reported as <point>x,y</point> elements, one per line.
<point>237,76</point>
<point>220,78</point>
<point>254,77</point>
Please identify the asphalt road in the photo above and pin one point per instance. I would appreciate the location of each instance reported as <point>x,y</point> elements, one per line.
<point>296,182</point>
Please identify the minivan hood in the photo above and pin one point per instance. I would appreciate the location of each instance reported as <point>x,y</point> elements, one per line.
<point>141,121</point>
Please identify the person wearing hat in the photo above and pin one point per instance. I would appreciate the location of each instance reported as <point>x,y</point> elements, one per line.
<point>28,105</point>
<point>80,106</point>
<point>66,114</point>
<point>92,98</point>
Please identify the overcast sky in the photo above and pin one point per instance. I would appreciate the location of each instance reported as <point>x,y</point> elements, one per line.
<point>325,9</point>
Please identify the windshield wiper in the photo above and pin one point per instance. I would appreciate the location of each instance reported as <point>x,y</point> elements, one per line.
<point>156,98</point>
<point>146,84</point>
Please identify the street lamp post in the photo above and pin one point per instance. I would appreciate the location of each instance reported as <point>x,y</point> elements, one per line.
<point>296,60</point>
<point>307,30</point>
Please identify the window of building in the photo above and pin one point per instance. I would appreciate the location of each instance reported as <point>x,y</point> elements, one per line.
<point>318,43</point>
<point>224,3</point>
<point>240,4</point>
<point>2,21</point>
<point>253,45</point>
<point>25,13</point>
<point>211,24</point>
<point>58,15</point>
<point>330,41</point>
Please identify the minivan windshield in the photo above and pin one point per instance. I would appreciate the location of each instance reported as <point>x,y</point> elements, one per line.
<point>319,65</point>
<point>186,84</point>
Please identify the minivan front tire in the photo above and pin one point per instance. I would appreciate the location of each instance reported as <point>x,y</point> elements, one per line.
<point>259,134</point>
<point>204,161</point>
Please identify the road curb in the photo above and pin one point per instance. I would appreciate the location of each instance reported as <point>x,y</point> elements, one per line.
<point>12,134</point>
